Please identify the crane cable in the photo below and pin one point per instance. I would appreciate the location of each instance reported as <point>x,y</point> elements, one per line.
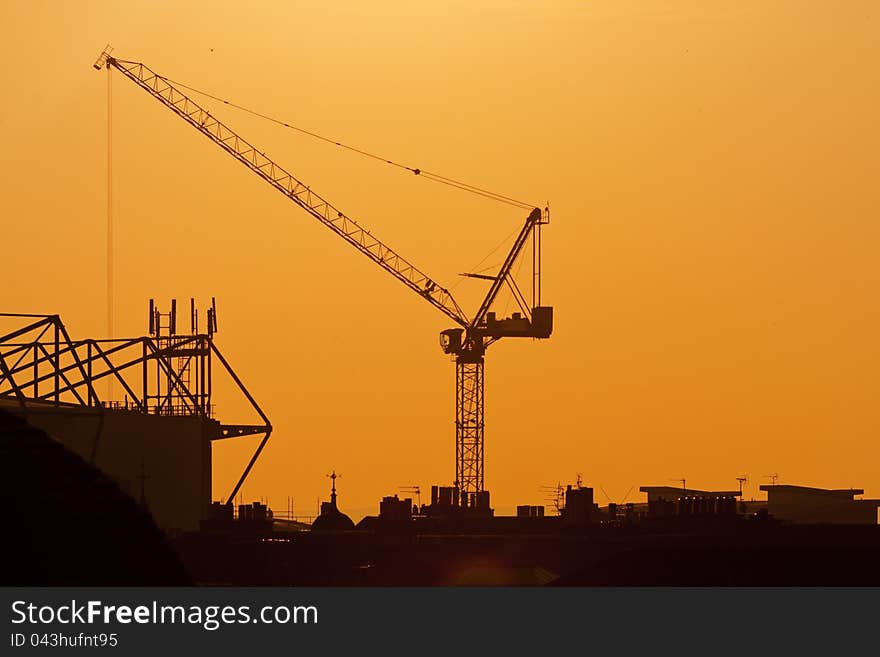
<point>109,203</point>
<point>475,269</point>
<point>435,177</point>
<point>110,290</point>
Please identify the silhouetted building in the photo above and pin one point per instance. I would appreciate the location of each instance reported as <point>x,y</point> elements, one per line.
<point>669,501</point>
<point>255,511</point>
<point>528,511</point>
<point>157,443</point>
<point>331,518</point>
<point>444,496</point>
<point>220,516</point>
<point>394,510</point>
<point>802,504</point>
<point>255,519</point>
<point>177,452</point>
<point>446,500</point>
<point>623,513</point>
<point>578,506</point>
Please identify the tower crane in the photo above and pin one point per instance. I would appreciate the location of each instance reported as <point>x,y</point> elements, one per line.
<point>467,342</point>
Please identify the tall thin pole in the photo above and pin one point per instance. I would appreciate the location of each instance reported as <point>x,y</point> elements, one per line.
<point>535,273</point>
<point>109,219</point>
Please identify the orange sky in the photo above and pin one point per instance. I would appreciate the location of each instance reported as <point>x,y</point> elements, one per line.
<point>712,256</point>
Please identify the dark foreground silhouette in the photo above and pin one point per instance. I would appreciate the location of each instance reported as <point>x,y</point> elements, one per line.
<point>738,553</point>
<point>67,524</point>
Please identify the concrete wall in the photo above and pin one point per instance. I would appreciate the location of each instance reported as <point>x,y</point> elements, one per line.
<point>175,452</point>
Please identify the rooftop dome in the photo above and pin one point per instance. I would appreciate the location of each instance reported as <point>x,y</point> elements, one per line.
<point>333,520</point>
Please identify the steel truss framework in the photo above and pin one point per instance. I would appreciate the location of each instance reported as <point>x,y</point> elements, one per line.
<point>469,426</point>
<point>41,365</point>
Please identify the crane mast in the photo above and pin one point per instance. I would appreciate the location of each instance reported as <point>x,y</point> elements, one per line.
<point>469,348</point>
<point>467,342</point>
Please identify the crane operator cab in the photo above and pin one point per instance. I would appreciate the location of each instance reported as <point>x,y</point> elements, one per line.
<point>450,340</point>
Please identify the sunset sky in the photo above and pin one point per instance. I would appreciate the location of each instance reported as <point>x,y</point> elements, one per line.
<point>712,257</point>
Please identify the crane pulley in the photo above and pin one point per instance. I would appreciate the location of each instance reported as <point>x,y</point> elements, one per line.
<point>467,342</point>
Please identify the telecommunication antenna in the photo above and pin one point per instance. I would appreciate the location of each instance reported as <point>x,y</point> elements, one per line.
<point>555,495</point>
<point>212,318</point>
<point>741,479</point>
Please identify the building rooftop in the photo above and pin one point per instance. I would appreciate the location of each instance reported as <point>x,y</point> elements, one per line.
<point>847,493</point>
<point>678,491</point>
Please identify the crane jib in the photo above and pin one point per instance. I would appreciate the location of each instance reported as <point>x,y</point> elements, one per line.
<point>300,193</point>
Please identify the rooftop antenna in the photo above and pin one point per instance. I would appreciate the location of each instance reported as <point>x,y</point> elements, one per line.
<point>555,496</point>
<point>772,477</point>
<point>212,318</point>
<point>682,480</point>
<point>741,479</point>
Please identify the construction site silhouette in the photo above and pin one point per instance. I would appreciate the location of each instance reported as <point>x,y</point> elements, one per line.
<point>117,488</point>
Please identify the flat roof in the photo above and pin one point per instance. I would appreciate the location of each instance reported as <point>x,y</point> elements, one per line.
<point>808,490</point>
<point>678,491</point>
